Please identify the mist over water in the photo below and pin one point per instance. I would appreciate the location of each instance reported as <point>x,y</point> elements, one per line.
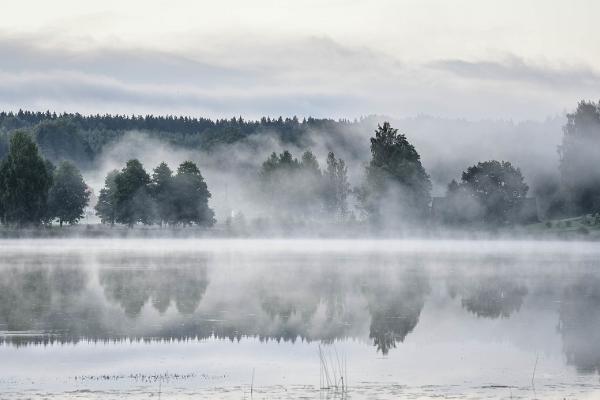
<point>348,199</point>
<point>412,318</point>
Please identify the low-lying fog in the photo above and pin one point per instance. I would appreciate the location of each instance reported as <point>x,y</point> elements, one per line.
<point>447,147</point>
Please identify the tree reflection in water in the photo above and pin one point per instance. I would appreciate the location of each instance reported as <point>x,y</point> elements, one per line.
<point>493,296</point>
<point>71,298</point>
<point>395,302</point>
<point>579,323</point>
<point>132,283</point>
<point>36,297</point>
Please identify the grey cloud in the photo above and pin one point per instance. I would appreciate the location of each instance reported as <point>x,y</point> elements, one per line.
<point>313,76</point>
<point>518,70</point>
<point>132,65</point>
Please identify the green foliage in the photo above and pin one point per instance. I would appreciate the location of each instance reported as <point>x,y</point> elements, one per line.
<point>132,199</point>
<point>60,140</point>
<point>68,195</point>
<point>106,207</point>
<point>190,203</point>
<point>131,196</point>
<point>498,189</point>
<point>162,191</point>
<point>24,183</point>
<point>397,186</point>
<point>81,138</point>
<point>580,152</point>
<point>300,190</point>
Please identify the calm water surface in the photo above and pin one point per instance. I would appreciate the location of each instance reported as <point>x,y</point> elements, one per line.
<point>237,319</point>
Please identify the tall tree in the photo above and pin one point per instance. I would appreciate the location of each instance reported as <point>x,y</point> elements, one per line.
<point>161,189</point>
<point>132,200</point>
<point>397,186</point>
<point>579,156</point>
<point>106,207</point>
<point>68,194</point>
<point>24,182</point>
<point>190,202</point>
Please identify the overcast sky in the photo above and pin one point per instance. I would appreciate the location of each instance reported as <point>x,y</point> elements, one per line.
<point>517,59</point>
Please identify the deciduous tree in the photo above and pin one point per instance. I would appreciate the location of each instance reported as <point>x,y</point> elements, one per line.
<point>24,183</point>
<point>68,195</point>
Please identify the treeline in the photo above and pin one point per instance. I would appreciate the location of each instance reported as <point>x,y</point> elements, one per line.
<point>131,196</point>
<point>81,138</point>
<point>395,190</point>
<point>33,191</point>
<point>300,189</point>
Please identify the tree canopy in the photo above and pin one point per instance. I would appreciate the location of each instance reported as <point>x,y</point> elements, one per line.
<point>130,196</point>
<point>299,189</point>
<point>106,207</point>
<point>161,189</point>
<point>68,195</point>
<point>492,192</point>
<point>190,203</point>
<point>25,179</point>
<point>397,186</point>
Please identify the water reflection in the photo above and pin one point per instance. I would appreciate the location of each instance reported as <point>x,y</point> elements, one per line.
<point>394,303</point>
<point>183,285</point>
<point>380,299</point>
<point>579,323</point>
<point>492,295</point>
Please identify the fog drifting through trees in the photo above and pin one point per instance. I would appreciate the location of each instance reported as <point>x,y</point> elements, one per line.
<point>288,174</point>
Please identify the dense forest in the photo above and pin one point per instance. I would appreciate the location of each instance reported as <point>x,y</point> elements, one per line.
<point>81,139</point>
<point>42,154</point>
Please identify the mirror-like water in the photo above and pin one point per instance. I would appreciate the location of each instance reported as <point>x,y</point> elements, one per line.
<point>281,319</point>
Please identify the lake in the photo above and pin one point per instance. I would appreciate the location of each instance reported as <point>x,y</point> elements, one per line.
<point>291,319</point>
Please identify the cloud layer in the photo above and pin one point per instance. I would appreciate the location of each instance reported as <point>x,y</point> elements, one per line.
<point>342,59</point>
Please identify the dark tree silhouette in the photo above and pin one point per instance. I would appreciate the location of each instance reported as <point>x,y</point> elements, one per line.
<point>397,186</point>
<point>24,183</point>
<point>190,204</point>
<point>68,194</point>
<point>132,200</point>
<point>161,189</point>
<point>106,207</point>
<point>498,188</point>
<point>59,140</point>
